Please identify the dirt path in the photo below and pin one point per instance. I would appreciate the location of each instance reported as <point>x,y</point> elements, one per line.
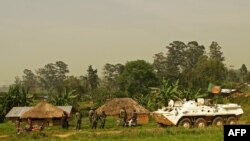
<point>67,134</point>
<point>3,136</point>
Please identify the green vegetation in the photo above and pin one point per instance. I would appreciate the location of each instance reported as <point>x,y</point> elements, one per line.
<point>16,96</point>
<point>148,132</point>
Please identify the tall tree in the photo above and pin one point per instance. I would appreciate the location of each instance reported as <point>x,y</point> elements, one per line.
<point>111,73</point>
<point>29,80</point>
<point>175,60</point>
<point>243,73</point>
<point>192,54</point>
<point>209,70</point>
<point>215,52</point>
<point>52,76</point>
<point>179,61</point>
<point>160,65</point>
<point>190,65</point>
<point>137,77</point>
<point>92,77</point>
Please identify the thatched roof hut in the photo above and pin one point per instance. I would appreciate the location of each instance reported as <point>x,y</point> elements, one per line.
<point>113,107</point>
<point>47,113</point>
<point>43,110</point>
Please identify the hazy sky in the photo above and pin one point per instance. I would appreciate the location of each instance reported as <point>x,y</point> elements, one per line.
<point>34,33</point>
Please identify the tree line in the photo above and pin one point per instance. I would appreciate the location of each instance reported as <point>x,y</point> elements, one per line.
<point>184,69</point>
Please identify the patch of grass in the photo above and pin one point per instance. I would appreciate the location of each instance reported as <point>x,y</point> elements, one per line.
<point>171,134</point>
<point>28,136</point>
<point>7,128</point>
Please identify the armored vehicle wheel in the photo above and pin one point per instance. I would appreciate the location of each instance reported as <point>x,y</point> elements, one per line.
<point>218,121</point>
<point>185,122</point>
<point>200,123</point>
<point>231,120</point>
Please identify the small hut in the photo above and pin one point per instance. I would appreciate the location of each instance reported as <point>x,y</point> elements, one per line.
<point>44,113</point>
<point>113,107</point>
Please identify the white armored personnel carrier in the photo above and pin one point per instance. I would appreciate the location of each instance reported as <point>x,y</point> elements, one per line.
<point>197,114</point>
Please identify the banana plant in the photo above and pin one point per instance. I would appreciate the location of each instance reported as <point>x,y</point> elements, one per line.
<point>191,94</point>
<point>66,98</point>
<point>161,96</point>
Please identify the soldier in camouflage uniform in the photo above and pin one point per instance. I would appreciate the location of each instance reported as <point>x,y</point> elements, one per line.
<point>134,118</point>
<point>94,120</point>
<point>91,113</point>
<point>123,116</point>
<point>78,120</point>
<point>102,118</point>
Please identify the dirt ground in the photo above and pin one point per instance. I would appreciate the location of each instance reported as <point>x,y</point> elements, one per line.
<point>3,136</point>
<point>67,134</point>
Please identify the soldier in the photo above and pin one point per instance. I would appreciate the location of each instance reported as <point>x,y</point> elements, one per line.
<point>65,120</point>
<point>123,117</point>
<point>134,118</point>
<point>103,119</point>
<point>78,120</point>
<point>91,112</point>
<point>94,120</point>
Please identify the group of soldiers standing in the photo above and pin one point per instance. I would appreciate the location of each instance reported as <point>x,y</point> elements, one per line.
<point>94,117</point>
